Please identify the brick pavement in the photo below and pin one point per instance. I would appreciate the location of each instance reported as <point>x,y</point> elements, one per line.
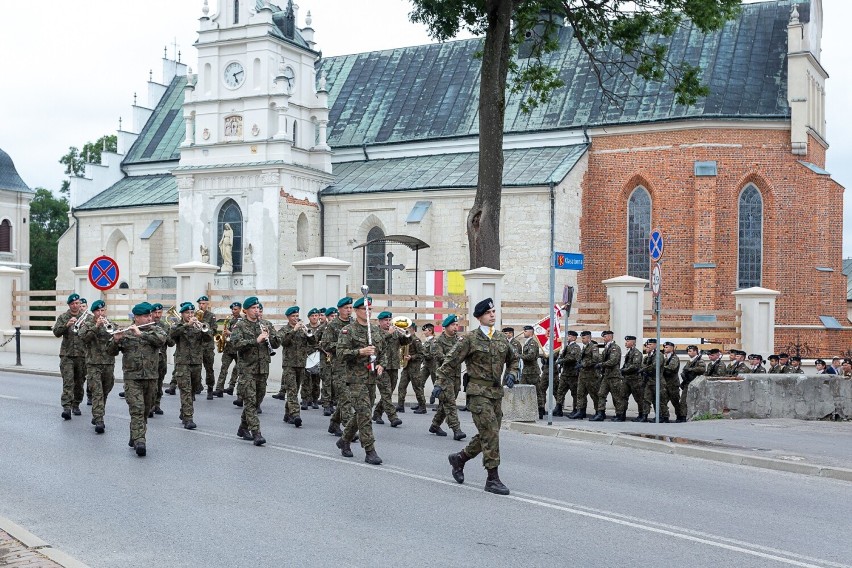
<point>15,554</point>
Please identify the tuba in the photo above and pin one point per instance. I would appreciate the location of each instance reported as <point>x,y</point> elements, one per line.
<point>404,324</point>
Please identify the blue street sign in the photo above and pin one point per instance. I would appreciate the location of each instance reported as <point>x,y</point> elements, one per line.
<point>568,260</point>
<point>655,245</point>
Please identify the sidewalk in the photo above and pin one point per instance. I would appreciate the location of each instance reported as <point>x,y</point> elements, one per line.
<point>20,548</point>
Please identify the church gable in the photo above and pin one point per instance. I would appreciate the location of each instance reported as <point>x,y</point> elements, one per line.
<point>162,135</point>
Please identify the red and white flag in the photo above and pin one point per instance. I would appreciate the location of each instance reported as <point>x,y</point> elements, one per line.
<point>541,329</point>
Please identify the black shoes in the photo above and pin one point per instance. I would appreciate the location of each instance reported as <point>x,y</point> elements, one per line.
<point>189,424</point>
<point>599,416</point>
<point>437,430</point>
<point>88,401</point>
<point>305,405</point>
<point>314,405</point>
<point>395,422</point>
<point>420,411</point>
<point>99,427</point>
<point>558,410</point>
<point>259,440</point>
<point>457,462</point>
<point>681,419</point>
<point>373,458</point>
<point>297,421</point>
<point>158,410</point>
<point>238,402</point>
<point>378,420</point>
<point>540,412</point>
<point>244,433</point>
<point>344,447</point>
<point>577,415</point>
<point>76,411</point>
<point>618,418</point>
<point>278,396</point>
<point>334,429</point>
<point>494,485</point>
<point>229,391</point>
<point>219,393</point>
<point>640,418</point>
<point>140,449</point>
<point>459,435</point>
<point>66,413</point>
<point>121,394</point>
<point>259,410</point>
<point>327,411</point>
<point>400,408</point>
<point>209,394</point>
<point>170,390</point>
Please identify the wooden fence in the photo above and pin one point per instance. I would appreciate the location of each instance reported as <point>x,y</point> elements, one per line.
<point>120,301</point>
<point>592,316</point>
<point>708,329</point>
<point>275,302</point>
<point>421,308</point>
<point>37,309</point>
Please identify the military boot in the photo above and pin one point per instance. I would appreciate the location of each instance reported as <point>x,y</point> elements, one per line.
<point>219,393</point>
<point>578,414</point>
<point>618,418</point>
<point>395,422</point>
<point>420,410</point>
<point>327,411</point>
<point>158,410</point>
<point>99,427</point>
<point>664,420</point>
<point>66,413</point>
<point>457,462</point>
<point>641,418</point>
<point>540,412</point>
<point>297,421</point>
<point>209,394</point>
<point>88,401</point>
<point>493,483</point>
<point>372,458</point>
<point>279,396</point>
<point>259,410</point>
<point>170,390</point>
<point>400,408</point>
<point>121,394</point>
<point>599,416</point>
<point>238,402</point>
<point>459,435</point>
<point>344,447</point>
<point>305,404</point>
<point>558,410</point>
<point>259,440</point>
<point>229,391</point>
<point>189,424</point>
<point>681,419</point>
<point>244,433</point>
<point>140,449</point>
<point>76,411</point>
<point>437,430</point>
<point>334,428</point>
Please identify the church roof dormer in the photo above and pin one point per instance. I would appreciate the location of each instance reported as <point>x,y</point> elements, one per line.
<point>9,178</point>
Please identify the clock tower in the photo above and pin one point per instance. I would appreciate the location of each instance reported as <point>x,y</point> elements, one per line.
<point>254,155</point>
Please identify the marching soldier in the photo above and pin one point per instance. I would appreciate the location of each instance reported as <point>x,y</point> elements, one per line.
<point>649,378</point>
<point>311,386</point>
<point>515,342</point>
<point>208,347</point>
<point>355,350</point>
<point>72,358</point>
<point>140,345</point>
<point>447,392</point>
<point>229,354</point>
<point>162,365</point>
<point>774,366</point>
<point>715,367</point>
<point>569,357</point>
<point>343,412</point>
<point>189,354</point>
<point>530,372</point>
<point>784,361</point>
<point>485,353</point>
<point>100,364</point>
<point>254,339</point>
<point>630,369</point>
<point>430,365</point>
<point>738,366</point>
<point>295,343</point>
<point>589,380</point>
<point>669,383</point>
<point>611,381</point>
<point>756,363</point>
<point>695,367</point>
<point>387,382</point>
<point>411,372</point>
<point>795,365</point>
<point>544,383</point>
<point>328,392</point>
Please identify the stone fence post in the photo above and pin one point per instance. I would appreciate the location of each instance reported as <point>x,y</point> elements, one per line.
<point>7,277</point>
<point>193,280</point>
<point>757,322</point>
<point>626,295</point>
<point>481,283</point>
<point>320,281</point>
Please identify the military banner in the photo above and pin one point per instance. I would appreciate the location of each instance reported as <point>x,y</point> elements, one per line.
<point>541,329</point>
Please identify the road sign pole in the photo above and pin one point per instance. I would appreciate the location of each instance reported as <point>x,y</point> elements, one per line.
<point>657,310</point>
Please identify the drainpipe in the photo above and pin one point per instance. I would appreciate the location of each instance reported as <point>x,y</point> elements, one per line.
<point>76,239</point>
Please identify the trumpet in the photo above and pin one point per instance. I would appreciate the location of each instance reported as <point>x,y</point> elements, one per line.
<point>80,319</point>
<point>268,343</point>
<point>309,332</point>
<point>201,325</point>
<point>403,323</point>
<point>112,330</point>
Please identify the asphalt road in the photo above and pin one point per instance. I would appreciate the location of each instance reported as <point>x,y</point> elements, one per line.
<point>206,498</point>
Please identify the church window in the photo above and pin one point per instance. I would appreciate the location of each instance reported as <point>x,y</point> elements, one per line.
<point>750,244</point>
<point>5,236</point>
<point>638,232</point>
<point>375,258</point>
<point>230,214</point>
<point>295,132</point>
<point>236,11</point>
<point>302,233</point>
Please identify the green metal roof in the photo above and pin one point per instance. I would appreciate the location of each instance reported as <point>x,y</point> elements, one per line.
<point>432,91</point>
<point>162,135</point>
<point>136,191</point>
<point>524,167</point>
<point>9,177</point>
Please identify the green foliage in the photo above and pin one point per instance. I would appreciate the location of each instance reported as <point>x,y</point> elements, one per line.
<point>75,160</point>
<point>48,220</point>
<point>707,416</point>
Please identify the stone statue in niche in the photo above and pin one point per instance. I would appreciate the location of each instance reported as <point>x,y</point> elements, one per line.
<point>205,254</point>
<point>247,255</point>
<point>226,248</point>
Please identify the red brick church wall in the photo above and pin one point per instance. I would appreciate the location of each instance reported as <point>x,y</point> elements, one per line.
<point>802,221</point>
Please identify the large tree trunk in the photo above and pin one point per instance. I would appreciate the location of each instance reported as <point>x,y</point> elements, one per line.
<point>483,222</point>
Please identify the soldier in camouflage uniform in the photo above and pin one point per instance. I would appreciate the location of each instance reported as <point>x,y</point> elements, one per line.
<point>589,379</point>
<point>72,358</point>
<point>162,365</point>
<point>544,384</point>
<point>427,369</point>
<point>354,349</point>
<point>252,338</point>
<point>386,383</point>
<point>411,372</point>
<point>140,347</point>
<point>648,375</point>
<point>100,365</point>
<point>515,342</point>
<point>485,352</point>
<point>531,373</point>
<point>611,381</point>
<point>330,336</point>
<point>446,395</point>
<point>296,345</point>
<point>630,369</point>
<point>569,358</point>
<point>188,360</point>
<point>328,392</point>
<point>695,367</point>
<point>208,346</point>
<point>229,354</point>
<point>669,382</point>
<point>311,387</point>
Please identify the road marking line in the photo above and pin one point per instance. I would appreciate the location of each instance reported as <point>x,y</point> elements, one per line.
<point>732,545</point>
<point>9,397</point>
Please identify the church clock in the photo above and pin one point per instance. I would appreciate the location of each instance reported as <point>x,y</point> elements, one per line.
<point>234,75</point>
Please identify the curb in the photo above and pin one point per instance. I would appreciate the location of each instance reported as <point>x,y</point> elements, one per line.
<point>28,371</point>
<point>36,544</point>
<point>722,456</point>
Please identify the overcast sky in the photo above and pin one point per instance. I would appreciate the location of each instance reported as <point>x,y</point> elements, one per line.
<point>70,68</point>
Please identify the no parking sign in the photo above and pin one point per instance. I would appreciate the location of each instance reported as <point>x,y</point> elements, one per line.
<point>103,273</point>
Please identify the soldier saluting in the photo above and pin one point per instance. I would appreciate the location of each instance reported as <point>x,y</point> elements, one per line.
<point>485,353</point>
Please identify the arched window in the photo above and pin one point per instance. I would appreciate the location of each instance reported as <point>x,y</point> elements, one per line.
<point>376,257</point>
<point>295,133</point>
<point>638,233</point>
<point>302,233</point>
<point>750,245</point>
<point>236,11</point>
<point>5,236</point>
<point>230,214</point>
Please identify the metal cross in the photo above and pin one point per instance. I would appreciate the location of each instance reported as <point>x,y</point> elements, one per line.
<point>390,267</point>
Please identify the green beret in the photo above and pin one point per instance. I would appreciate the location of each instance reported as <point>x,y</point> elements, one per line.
<point>313,311</point>
<point>384,315</point>
<point>344,302</point>
<point>142,309</point>
<point>236,305</point>
<point>203,299</point>
<point>259,305</point>
<point>73,298</point>
<point>450,319</point>
<point>329,311</point>
<point>157,306</point>
<point>250,301</point>
<point>359,303</point>
<point>291,310</point>
<point>98,304</point>
<point>83,301</point>
<point>186,306</point>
